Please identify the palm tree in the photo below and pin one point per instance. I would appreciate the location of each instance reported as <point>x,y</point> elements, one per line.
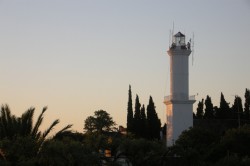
<point>12,127</point>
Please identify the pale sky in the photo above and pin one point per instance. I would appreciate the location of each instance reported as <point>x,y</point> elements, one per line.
<point>80,56</point>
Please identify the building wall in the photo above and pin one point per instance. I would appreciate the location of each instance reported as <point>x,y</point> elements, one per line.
<point>179,118</point>
<point>179,77</point>
<point>179,106</point>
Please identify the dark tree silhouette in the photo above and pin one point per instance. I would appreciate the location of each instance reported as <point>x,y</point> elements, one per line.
<point>200,112</point>
<point>100,122</point>
<point>209,111</point>
<point>137,117</point>
<point>224,110</point>
<point>130,111</point>
<point>237,109</point>
<point>21,141</point>
<point>154,124</point>
<point>247,104</point>
<point>143,124</point>
<point>12,126</point>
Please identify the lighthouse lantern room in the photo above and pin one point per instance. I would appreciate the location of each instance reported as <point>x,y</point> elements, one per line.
<point>179,39</point>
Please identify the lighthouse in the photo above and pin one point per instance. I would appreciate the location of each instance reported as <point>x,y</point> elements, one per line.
<point>179,104</point>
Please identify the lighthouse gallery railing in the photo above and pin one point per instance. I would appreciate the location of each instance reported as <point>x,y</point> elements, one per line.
<point>179,97</point>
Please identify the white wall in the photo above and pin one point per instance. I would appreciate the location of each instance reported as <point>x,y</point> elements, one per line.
<point>179,77</point>
<point>179,118</point>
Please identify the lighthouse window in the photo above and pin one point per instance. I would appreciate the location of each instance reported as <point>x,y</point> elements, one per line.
<point>182,40</point>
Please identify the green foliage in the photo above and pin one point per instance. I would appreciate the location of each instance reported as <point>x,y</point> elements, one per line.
<point>194,144</point>
<point>90,124</point>
<point>64,151</point>
<point>153,122</point>
<point>247,104</point>
<point>237,141</point>
<point>139,125</point>
<point>194,116</point>
<point>237,109</point>
<point>100,122</point>
<point>76,136</point>
<point>209,110</point>
<point>143,123</point>
<point>96,141</point>
<point>224,110</point>
<point>20,140</point>
<point>22,143</point>
<point>143,152</point>
<point>137,117</point>
<point>12,126</point>
<point>130,112</point>
<point>20,151</point>
<point>233,160</point>
<point>200,112</point>
<point>199,146</point>
<point>67,152</point>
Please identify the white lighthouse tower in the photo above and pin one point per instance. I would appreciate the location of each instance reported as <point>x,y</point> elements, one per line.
<point>179,103</point>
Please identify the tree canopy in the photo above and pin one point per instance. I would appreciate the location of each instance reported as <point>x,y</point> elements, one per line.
<point>100,122</point>
<point>130,111</point>
<point>137,117</point>
<point>21,141</point>
<point>144,123</point>
<point>153,122</point>
<point>225,112</point>
<point>209,110</point>
<point>200,112</point>
<point>12,126</point>
<point>247,104</point>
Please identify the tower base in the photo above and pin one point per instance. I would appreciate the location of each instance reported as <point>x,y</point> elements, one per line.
<point>179,119</point>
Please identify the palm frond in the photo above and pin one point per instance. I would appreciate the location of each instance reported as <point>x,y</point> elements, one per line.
<point>3,120</point>
<point>38,135</point>
<point>27,121</point>
<point>64,129</point>
<point>38,123</point>
<point>6,121</point>
<point>46,132</point>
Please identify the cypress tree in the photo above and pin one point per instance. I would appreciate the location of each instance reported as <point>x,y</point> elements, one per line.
<point>154,123</point>
<point>209,110</point>
<point>130,112</point>
<point>224,110</point>
<point>247,105</point>
<point>143,124</point>
<point>237,109</point>
<point>137,117</point>
<point>217,112</point>
<point>199,113</point>
<point>194,116</point>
